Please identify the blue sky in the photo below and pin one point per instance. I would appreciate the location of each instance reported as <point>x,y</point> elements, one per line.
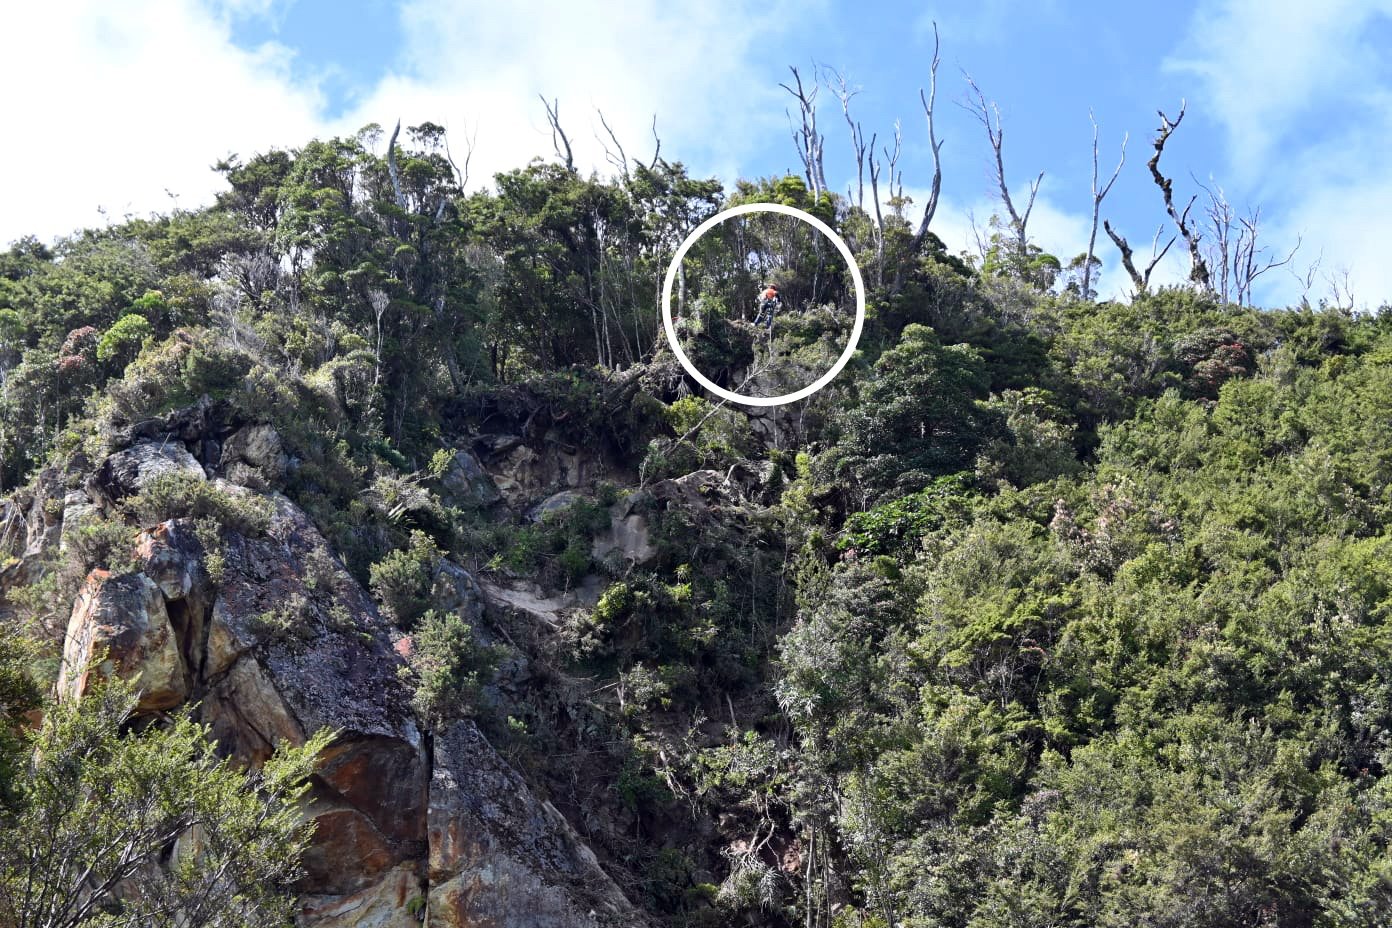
<point>1289,104</point>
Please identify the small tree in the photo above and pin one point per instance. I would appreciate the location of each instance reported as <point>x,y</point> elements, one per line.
<point>919,417</point>
<point>116,828</point>
<point>122,341</point>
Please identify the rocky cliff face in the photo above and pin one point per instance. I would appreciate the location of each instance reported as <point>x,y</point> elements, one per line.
<point>270,638</point>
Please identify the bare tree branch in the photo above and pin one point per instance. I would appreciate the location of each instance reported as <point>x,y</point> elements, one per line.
<point>619,160</point>
<point>836,82</point>
<point>988,114</point>
<point>469,142</point>
<point>658,139</point>
<point>929,101</point>
<point>1307,280</point>
<point>896,176</point>
<point>559,140</point>
<point>1340,283</point>
<point>1198,267</point>
<point>879,217</point>
<point>1098,195</point>
<point>1141,280</point>
<point>1220,219</point>
<point>391,168</point>
<point>1251,264</point>
<point>809,141</point>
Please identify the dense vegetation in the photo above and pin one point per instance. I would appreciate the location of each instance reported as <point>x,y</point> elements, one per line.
<point>1048,612</point>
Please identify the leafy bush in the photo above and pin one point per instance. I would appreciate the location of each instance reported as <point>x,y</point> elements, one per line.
<point>402,580</point>
<point>898,527</point>
<point>121,343</point>
<point>187,496</point>
<point>450,667</point>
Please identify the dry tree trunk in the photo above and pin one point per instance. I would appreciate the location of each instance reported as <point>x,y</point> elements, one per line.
<point>1198,266</point>
<point>559,140</point>
<point>929,101</point>
<point>809,141</point>
<point>1098,195</point>
<point>1141,280</point>
<point>988,114</point>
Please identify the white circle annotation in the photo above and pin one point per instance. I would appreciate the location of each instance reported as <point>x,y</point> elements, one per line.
<point>671,329</point>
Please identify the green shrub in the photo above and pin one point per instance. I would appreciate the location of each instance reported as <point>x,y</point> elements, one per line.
<point>103,543</point>
<point>450,667</point>
<point>614,604</point>
<point>174,373</point>
<point>402,580</point>
<point>186,496</point>
<point>121,343</point>
<point>897,527</point>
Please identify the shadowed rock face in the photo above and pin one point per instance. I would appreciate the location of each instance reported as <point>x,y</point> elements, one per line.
<point>253,457</point>
<point>500,857</point>
<point>284,642</point>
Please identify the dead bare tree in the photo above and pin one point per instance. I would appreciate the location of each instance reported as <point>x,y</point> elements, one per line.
<point>896,176</point>
<point>1139,279</point>
<point>1098,195</point>
<point>836,83</point>
<point>988,114</point>
<point>879,215</point>
<point>462,176</point>
<point>559,140</point>
<point>808,140</point>
<point>1307,279</point>
<point>1251,261</point>
<point>1340,282</point>
<point>1198,266</point>
<point>929,100</point>
<point>616,156</point>
<point>398,196</point>
<point>1220,220</point>
<point>1235,255</point>
<point>657,139</point>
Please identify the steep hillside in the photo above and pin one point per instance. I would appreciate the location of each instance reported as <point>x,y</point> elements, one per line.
<point>1048,611</point>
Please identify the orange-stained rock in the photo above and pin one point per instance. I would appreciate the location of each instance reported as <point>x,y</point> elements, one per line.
<point>386,779</point>
<point>171,555</point>
<point>280,641</point>
<point>393,901</point>
<point>120,626</point>
<point>348,853</point>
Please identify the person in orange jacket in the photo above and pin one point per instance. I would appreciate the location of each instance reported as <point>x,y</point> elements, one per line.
<point>768,306</point>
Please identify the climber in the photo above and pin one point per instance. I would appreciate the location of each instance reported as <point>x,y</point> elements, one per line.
<point>769,304</point>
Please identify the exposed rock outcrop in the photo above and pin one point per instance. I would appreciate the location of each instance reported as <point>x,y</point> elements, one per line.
<point>253,457</point>
<point>554,504</point>
<point>125,473</point>
<point>119,626</point>
<point>628,539</point>
<point>523,475</point>
<point>31,523</point>
<point>272,639</point>
<point>465,482</point>
<point>498,856</point>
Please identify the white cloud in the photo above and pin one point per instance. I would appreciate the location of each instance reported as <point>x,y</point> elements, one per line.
<point>694,65</point>
<point>1304,92</point>
<point>1266,64</point>
<point>111,105</point>
<point>121,103</point>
